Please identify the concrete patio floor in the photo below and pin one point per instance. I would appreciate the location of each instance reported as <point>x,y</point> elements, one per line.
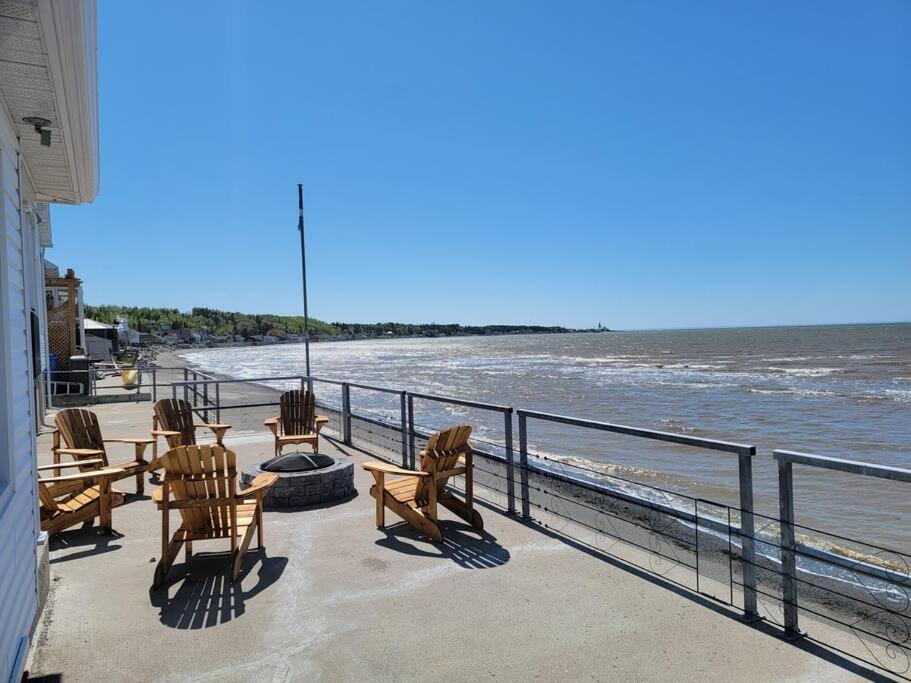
<point>333,598</point>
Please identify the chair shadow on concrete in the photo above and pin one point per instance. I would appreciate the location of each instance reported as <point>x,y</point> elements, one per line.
<point>90,537</point>
<point>468,547</point>
<point>206,596</point>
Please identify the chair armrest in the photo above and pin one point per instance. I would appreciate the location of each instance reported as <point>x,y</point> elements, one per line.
<point>260,482</point>
<point>164,432</point>
<point>78,463</point>
<point>129,439</point>
<point>321,419</point>
<point>81,451</point>
<point>272,423</point>
<point>214,426</point>
<point>157,495</point>
<point>83,476</point>
<point>386,468</point>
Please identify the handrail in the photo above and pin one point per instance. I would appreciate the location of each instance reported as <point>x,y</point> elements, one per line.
<point>462,402</point>
<point>850,466</point>
<point>711,444</point>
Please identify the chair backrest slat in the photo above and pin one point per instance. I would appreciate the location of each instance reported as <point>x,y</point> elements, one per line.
<point>298,412</point>
<point>80,429</point>
<point>442,454</point>
<point>176,415</point>
<point>183,462</point>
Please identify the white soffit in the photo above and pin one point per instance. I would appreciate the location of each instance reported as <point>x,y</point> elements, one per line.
<point>48,68</point>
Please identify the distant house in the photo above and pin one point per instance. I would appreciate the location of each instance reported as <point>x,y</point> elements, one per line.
<point>187,336</point>
<point>147,339</point>
<point>127,336</point>
<point>50,74</point>
<point>101,340</point>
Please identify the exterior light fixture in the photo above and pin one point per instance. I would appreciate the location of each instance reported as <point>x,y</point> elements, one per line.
<point>41,127</point>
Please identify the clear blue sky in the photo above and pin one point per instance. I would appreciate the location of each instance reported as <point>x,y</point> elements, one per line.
<point>641,164</point>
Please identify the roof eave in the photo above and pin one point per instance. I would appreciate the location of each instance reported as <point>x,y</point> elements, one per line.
<point>68,31</point>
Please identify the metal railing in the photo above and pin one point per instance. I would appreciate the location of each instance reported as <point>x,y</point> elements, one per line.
<point>883,602</point>
<point>85,383</point>
<point>744,455</point>
<point>709,547</point>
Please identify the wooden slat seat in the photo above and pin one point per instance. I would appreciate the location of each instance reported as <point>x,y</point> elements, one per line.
<point>78,435</point>
<point>201,483</point>
<point>298,422</point>
<point>414,496</point>
<point>70,499</point>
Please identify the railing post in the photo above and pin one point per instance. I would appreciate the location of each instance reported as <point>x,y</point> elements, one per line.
<point>510,462</point>
<point>411,430</point>
<point>346,413</point>
<point>523,464</point>
<point>218,402</point>
<point>404,408</point>
<point>787,548</point>
<point>154,385</point>
<point>205,401</point>
<point>747,533</point>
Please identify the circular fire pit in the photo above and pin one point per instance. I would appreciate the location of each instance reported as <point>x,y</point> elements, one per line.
<point>304,479</point>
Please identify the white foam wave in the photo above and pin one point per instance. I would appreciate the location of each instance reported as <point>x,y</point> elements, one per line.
<point>805,372</point>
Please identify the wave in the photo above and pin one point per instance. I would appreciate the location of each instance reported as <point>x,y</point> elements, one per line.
<point>805,372</point>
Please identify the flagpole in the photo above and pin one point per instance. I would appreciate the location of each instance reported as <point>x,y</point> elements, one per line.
<point>300,227</point>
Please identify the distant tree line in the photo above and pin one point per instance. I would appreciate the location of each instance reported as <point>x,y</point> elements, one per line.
<point>216,322</point>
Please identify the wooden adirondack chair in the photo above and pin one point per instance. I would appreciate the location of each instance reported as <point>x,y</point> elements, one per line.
<point>81,434</point>
<point>201,482</point>
<point>414,496</point>
<point>298,422</point>
<point>173,419</point>
<point>70,499</point>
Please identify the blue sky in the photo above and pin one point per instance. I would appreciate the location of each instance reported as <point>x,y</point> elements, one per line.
<point>639,164</point>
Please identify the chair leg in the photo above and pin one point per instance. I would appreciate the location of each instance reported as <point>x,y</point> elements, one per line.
<point>259,522</point>
<point>104,504</point>
<point>459,507</point>
<point>138,451</point>
<point>415,519</point>
<point>188,550</point>
<point>164,564</point>
<point>378,492</point>
<point>380,510</point>
<point>241,552</point>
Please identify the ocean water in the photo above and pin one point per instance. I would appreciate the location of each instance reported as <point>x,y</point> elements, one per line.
<point>842,391</point>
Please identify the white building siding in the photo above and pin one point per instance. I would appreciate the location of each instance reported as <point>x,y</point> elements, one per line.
<point>18,505</point>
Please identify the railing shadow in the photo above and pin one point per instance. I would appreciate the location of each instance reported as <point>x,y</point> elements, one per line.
<point>826,653</point>
<point>206,596</point>
<point>468,547</point>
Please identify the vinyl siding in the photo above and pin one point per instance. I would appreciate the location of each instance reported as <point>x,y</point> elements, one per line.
<point>18,507</point>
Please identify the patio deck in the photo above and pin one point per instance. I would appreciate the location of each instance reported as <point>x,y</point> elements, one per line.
<point>334,598</point>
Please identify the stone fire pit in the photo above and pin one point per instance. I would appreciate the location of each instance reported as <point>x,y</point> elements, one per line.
<point>304,479</point>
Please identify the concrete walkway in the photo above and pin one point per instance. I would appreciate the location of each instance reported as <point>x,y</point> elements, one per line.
<point>333,598</point>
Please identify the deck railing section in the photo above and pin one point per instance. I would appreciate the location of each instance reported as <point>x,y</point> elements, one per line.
<point>757,563</point>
